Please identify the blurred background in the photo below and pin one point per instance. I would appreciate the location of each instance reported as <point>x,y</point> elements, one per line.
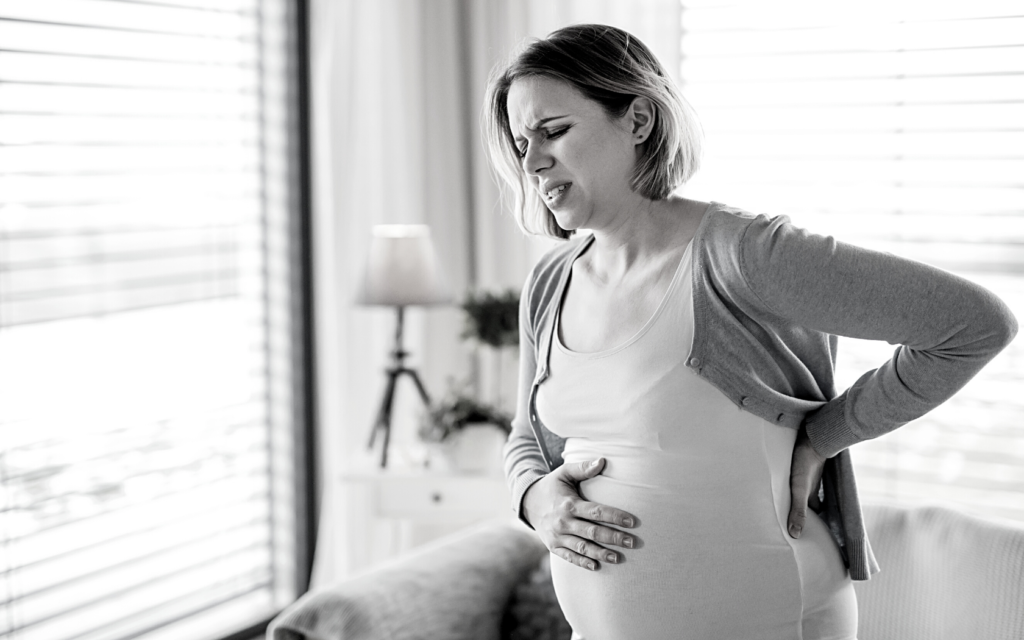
<point>188,192</point>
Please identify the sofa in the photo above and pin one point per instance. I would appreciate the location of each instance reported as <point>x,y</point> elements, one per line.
<point>945,576</point>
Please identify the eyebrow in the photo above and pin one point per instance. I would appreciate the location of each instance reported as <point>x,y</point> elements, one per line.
<point>539,124</point>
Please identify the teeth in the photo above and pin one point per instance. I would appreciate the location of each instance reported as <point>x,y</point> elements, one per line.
<point>557,190</point>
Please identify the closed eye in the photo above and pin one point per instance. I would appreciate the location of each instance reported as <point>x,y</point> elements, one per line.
<point>558,133</point>
<point>548,135</point>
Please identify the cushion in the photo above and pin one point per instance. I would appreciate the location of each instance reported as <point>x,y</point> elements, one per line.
<point>533,612</point>
<point>456,588</point>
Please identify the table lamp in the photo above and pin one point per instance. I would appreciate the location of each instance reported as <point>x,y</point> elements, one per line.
<point>402,269</point>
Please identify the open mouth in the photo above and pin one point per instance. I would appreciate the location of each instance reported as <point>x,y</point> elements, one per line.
<point>557,193</point>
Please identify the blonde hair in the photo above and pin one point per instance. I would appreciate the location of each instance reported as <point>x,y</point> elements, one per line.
<point>610,67</point>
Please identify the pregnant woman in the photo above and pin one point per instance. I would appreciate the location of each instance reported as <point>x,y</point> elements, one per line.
<point>679,444</point>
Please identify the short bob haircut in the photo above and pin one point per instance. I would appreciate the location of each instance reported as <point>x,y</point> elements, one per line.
<point>612,68</point>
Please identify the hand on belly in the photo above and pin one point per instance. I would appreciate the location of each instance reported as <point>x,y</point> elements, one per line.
<point>570,526</point>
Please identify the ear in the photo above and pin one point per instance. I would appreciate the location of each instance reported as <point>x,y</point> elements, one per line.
<point>641,118</point>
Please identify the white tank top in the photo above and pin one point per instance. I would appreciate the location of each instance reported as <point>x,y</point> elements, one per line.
<point>709,484</point>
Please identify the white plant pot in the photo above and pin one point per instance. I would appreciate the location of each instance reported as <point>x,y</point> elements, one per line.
<point>474,449</point>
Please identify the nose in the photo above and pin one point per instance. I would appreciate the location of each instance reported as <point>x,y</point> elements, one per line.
<point>536,160</point>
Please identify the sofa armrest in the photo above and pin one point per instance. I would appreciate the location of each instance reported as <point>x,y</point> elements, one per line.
<point>945,574</point>
<point>454,588</point>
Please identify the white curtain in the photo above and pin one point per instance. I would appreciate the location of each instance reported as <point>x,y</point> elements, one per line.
<point>397,90</point>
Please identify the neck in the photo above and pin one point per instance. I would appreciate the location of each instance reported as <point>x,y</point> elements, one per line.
<point>634,237</point>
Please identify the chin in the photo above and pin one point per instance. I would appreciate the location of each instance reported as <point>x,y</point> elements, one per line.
<point>567,221</point>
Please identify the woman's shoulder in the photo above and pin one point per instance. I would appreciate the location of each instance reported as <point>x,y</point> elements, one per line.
<point>723,217</point>
<point>726,230</point>
<point>558,258</point>
<point>545,276</point>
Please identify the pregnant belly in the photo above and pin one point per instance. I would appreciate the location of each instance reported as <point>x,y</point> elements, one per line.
<point>708,565</point>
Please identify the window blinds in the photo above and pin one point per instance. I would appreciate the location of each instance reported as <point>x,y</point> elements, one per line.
<point>898,126</point>
<point>148,317</point>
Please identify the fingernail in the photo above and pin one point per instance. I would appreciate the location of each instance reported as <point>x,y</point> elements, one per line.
<point>627,522</point>
<point>794,531</point>
<point>628,542</point>
<point>595,462</point>
<point>612,557</point>
<point>590,565</point>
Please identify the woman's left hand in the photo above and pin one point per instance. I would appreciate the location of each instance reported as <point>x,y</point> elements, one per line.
<point>804,479</point>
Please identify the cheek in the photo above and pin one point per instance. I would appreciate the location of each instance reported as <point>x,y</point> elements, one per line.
<point>609,171</point>
<point>611,159</point>
<point>597,162</point>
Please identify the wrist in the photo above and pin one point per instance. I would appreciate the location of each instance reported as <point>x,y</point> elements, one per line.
<point>525,513</point>
<point>827,428</point>
<point>804,438</point>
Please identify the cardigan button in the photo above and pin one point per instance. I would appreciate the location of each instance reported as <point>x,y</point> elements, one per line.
<point>746,400</point>
<point>694,362</point>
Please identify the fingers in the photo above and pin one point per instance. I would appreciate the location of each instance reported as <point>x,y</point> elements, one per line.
<point>577,540</point>
<point>602,513</point>
<point>585,469</point>
<point>584,553</point>
<point>575,506</point>
<point>797,517</point>
<point>591,531</point>
<point>804,478</point>
<point>799,489</point>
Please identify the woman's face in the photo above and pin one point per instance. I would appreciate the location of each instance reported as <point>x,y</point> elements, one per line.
<point>575,156</point>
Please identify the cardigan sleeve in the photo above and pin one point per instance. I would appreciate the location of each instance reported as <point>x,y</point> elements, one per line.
<point>524,463</point>
<point>946,327</point>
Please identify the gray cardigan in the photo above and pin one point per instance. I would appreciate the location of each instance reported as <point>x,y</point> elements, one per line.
<point>769,301</point>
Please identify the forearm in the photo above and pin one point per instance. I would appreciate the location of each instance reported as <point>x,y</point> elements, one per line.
<point>525,478</point>
<point>524,463</point>
<point>946,328</point>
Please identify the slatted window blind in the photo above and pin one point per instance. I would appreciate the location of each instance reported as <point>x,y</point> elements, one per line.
<point>898,126</point>
<point>147,317</point>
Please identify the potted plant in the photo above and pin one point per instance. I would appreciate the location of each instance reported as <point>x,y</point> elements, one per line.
<point>457,411</point>
<point>464,433</point>
<point>492,321</point>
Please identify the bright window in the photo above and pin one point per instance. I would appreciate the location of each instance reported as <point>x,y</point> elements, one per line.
<point>148,320</point>
<point>898,126</point>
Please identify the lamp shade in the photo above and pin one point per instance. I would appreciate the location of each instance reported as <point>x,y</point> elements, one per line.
<point>402,268</point>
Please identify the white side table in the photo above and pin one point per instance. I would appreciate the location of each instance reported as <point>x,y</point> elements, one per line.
<point>390,512</point>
